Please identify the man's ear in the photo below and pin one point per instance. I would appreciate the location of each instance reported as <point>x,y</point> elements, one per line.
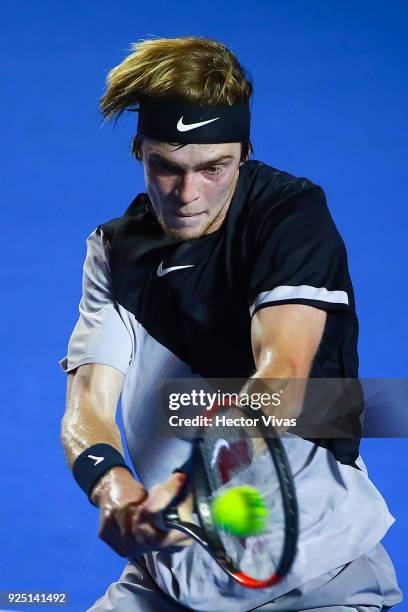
<point>244,160</point>
<point>139,157</point>
<point>141,152</point>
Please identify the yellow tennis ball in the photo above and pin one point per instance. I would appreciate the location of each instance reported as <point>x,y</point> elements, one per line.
<point>240,511</point>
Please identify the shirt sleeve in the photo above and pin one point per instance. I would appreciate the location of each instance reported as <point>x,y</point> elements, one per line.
<point>298,255</point>
<point>102,333</point>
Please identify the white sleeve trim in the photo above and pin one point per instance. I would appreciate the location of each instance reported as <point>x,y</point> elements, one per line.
<point>304,292</point>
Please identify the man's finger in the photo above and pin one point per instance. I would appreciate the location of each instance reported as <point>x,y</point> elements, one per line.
<point>126,516</point>
<point>161,495</point>
<point>110,534</point>
<point>147,536</point>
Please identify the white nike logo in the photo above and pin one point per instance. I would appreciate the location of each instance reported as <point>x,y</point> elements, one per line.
<point>182,127</point>
<point>162,271</point>
<point>98,460</point>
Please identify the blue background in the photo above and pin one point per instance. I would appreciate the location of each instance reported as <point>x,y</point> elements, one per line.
<point>330,103</point>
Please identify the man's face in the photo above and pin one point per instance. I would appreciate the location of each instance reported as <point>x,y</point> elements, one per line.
<point>191,187</point>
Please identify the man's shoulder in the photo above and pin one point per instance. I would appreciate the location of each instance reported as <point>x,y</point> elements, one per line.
<point>272,196</point>
<point>136,207</point>
<point>262,182</point>
<point>109,227</point>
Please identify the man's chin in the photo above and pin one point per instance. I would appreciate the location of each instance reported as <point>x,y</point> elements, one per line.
<point>184,233</point>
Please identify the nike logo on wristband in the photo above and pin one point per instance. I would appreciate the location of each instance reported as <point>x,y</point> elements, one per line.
<point>98,460</point>
<point>185,127</point>
<point>162,271</point>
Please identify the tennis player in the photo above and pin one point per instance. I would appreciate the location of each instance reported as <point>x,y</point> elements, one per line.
<point>225,267</point>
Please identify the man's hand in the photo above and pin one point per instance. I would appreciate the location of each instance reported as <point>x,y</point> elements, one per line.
<point>128,513</point>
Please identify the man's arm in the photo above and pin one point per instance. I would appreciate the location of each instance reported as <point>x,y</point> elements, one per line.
<point>93,392</point>
<point>285,339</point>
<point>126,509</point>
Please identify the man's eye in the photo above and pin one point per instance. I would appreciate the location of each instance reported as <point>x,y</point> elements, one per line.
<point>214,169</point>
<point>164,168</point>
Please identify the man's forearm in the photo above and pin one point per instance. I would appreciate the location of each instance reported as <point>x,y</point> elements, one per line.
<point>78,434</point>
<point>279,381</point>
<point>92,396</point>
<point>83,428</point>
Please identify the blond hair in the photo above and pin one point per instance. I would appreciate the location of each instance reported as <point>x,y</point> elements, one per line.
<point>190,69</point>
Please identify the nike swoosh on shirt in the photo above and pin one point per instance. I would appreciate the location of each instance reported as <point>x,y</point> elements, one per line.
<point>162,271</point>
<point>183,127</point>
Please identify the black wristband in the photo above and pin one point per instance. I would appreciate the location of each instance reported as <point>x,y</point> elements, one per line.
<point>93,463</point>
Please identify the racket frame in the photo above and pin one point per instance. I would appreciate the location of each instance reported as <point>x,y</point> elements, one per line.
<point>206,534</point>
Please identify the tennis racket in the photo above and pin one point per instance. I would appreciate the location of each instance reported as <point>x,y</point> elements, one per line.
<point>235,456</point>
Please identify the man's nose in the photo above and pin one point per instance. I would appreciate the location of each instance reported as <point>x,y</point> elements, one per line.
<point>187,188</point>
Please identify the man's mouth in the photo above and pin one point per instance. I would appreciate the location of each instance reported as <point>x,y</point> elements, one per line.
<point>186,215</point>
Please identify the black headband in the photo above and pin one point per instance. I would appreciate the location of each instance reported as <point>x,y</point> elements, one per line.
<point>176,122</point>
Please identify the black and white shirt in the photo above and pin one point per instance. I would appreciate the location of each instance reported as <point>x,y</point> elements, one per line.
<point>155,307</point>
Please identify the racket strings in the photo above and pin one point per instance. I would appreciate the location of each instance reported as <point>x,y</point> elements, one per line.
<point>232,459</point>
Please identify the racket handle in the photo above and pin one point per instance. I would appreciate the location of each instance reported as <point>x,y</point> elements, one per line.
<point>160,522</point>
<point>165,519</point>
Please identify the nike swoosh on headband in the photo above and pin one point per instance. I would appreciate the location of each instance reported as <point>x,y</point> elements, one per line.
<point>182,127</point>
<point>162,271</point>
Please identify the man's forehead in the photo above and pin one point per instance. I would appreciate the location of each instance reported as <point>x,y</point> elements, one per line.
<point>194,153</point>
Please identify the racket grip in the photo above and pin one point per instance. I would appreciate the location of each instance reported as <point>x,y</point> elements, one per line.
<point>160,521</point>
<point>164,518</point>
